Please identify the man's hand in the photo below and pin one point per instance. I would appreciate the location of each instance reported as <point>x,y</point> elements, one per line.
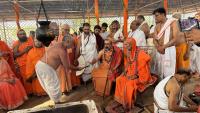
<point>26,50</point>
<point>93,61</point>
<point>80,68</point>
<point>193,36</point>
<point>31,78</point>
<point>4,54</point>
<point>194,107</point>
<point>11,81</point>
<point>161,49</point>
<point>76,63</point>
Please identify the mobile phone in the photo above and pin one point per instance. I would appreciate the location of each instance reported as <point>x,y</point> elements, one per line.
<point>188,24</point>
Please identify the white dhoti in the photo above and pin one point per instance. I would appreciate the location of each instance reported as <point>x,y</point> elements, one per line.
<point>49,80</point>
<point>161,98</point>
<point>166,62</point>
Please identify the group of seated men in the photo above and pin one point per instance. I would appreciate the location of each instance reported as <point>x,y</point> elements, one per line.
<point>32,68</point>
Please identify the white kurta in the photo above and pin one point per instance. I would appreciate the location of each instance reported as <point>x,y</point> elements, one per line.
<point>139,37</point>
<point>89,52</point>
<point>104,35</point>
<point>118,35</point>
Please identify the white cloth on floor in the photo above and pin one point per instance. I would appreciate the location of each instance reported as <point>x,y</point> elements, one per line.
<point>167,61</point>
<point>89,52</point>
<point>139,37</point>
<point>49,80</point>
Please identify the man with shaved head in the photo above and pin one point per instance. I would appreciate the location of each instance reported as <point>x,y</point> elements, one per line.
<point>65,29</point>
<point>137,34</point>
<point>182,47</point>
<point>55,28</point>
<point>143,25</point>
<point>72,79</point>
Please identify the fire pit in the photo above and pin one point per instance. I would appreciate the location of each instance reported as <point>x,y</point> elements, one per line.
<point>87,106</point>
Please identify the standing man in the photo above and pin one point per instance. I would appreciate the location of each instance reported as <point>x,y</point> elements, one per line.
<point>182,48</point>
<point>66,85</point>
<point>65,29</point>
<point>73,80</point>
<point>166,33</point>
<point>20,50</point>
<point>99,39</point>
<point>137,34</point>
<point>55,28</point>
<point>46,70</point>
<point>104,33</point>
<point>143,25</point>
<point>118,35</point>
<point>87,47</point>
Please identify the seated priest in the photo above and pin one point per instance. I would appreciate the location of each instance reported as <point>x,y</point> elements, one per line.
<point>136,75</point>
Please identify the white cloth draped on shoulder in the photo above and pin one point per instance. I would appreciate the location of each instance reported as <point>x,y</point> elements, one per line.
<point>139,37</point>
<point>89,52</point>
<point>167,61</point>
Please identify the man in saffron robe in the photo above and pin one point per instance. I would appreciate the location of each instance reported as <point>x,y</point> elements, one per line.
<point>8,55</point>
<point>55,28</point>
<point>112,60</point>
<point>71,49</point>
<point>34,55</point>
<point>21,49</point>
<point>136,74</point>
<point>72,80</point>
<point>182,48</point>
<point>12,92</point>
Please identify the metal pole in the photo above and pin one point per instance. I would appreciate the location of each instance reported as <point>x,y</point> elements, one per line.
<point>4,30</point>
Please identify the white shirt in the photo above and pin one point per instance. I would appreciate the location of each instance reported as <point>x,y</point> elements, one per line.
<point>118,35</point>
<point>139,37</point>
<point>104,35</point>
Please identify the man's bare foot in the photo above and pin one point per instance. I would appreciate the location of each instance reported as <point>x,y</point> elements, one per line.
<point>63,99</point>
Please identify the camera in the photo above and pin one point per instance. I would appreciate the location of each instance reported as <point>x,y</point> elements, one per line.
<point>188,24</point>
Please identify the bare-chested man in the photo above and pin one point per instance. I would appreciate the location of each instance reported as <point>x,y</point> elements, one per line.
<point>46,70</point>
<point>168,94</point>
<point>182,48</point>
<point>166,32</point>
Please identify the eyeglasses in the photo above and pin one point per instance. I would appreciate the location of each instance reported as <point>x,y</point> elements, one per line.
<point>86,29</point>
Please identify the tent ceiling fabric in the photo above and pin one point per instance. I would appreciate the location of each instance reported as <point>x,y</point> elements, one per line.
<point>78,8</point>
